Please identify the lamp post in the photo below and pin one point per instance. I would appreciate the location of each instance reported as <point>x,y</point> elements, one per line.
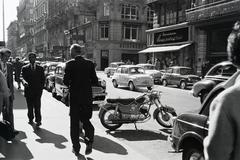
<point>3,20</point>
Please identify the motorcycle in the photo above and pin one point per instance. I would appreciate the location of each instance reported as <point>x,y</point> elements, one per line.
<point>115,112</point>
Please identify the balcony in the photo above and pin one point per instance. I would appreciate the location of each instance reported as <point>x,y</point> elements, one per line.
<point>213,10</point>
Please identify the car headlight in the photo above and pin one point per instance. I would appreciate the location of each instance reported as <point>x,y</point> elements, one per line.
<point>103,83</point>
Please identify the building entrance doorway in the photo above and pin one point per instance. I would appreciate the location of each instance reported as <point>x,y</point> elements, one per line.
<point>104,59</point>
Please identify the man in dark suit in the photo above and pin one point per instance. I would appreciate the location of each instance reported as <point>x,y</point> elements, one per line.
<point>7,69</point>
<point>33,81</point>
<point>80,88</point>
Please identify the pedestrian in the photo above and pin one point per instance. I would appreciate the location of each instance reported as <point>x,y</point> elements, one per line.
<point>4,91</point>
<point>7,70</point>
<point>80,88</point>
<point>33,81</point>
<point>223,140</point>
<point>17,71</point>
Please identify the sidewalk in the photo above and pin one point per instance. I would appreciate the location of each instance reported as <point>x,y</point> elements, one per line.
<point>52,140</point>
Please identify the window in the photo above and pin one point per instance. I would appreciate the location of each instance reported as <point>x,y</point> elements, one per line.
<point>130,32</point>
<point>150,14</point>
<point>104,31</point>
<point>129,12</point>
<point>106,9</point>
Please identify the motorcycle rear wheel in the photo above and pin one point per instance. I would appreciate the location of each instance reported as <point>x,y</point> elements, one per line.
<point>165,118</point>
<point>104,117</point>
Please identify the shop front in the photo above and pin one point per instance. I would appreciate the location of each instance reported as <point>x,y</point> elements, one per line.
<point>169,46</point>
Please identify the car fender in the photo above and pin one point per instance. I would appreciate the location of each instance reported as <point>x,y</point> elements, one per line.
<point>205,84</point>
<point>185,138</point>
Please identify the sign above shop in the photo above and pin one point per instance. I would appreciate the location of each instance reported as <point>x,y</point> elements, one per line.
<point>172,36</point>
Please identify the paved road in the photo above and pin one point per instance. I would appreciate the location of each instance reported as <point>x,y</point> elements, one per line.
<point>151,139</point>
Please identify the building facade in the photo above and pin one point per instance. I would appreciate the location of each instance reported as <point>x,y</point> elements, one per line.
<point>212,21</point>
<point>40,31</point>
<point>25,27</point>
<point>170,42</point>
<point>12,33</point>
<point>119,31</point>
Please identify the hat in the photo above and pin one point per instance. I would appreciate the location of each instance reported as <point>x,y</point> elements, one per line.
<point>5,51</point>
<point>32,54</point>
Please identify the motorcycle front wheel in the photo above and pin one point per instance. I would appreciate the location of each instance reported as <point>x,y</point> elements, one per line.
<point>165,119</point>
<point>104,118</point>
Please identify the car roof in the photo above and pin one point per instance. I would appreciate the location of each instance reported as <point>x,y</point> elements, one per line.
<point>145,64</point>
<point>117,63</point>
<point>129,66</point>
<point>180,67</point>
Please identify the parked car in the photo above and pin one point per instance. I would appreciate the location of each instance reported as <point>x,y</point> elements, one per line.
<point>217,74</point>
<point>132,76</point>
<point>49,69</point>
<point>61,91</point>
<point>112,68</point>
<point>190,129</point>
<point>180,76</point>
<point>151,70</point>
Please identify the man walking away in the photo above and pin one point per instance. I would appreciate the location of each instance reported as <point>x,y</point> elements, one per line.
<point>17,69</point>
<point>33,81</point>
<point>80,88</point>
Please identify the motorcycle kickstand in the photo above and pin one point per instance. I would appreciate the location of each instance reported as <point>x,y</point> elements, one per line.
<point>135,126</point>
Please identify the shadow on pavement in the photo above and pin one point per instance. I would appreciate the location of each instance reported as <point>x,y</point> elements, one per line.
<point>106,145</point>
<point>19,101</point>
<point>46,136</point>
<point>138,135</point>
<point>15,149</point>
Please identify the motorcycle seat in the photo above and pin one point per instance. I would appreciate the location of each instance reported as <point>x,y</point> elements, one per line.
<point>124,101</point>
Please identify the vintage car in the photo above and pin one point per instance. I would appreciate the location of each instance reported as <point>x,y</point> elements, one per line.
<point>190,129</point>
<point>61,92</point>
<point>151,70</point>
<point>180,76</point>
<point>132,76</point>
<point>112,68</point>
<point>49,69</point>
<point>217,74</point>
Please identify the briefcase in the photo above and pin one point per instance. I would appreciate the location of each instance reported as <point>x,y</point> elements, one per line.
<point>6,130</point>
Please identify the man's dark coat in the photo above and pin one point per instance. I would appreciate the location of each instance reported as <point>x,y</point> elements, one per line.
<point>80,76</point>
<point>35,79</point>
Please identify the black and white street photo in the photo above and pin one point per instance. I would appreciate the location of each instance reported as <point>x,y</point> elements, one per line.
<point>119,79</point>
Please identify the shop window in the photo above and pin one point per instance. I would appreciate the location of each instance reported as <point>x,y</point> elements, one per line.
<point>104,31</point>
<point>130,32</point>
<point>129,12</point>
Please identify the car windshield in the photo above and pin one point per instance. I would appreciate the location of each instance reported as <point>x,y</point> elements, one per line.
<point>149,67</point>
<point>185,71</point>
<point>136,70</point>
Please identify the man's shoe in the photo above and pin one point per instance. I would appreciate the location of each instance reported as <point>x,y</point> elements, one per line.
<point>76,151</point>
<point>88,149</point>
<point>15,132</point>
<point>30,122</point>
<point>38,124</point>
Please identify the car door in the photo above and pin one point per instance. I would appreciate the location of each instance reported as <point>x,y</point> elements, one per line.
<point>125,76</point>
<point>117,75</point>
<point>175,76</point>
<point>167,75</point>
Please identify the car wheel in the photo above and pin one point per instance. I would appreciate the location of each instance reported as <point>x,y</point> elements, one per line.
<point>190,153</point>
<point>203,96</point>
<point>164,82</point>
<point>131,86</point>
<point>183,85</point>
<point>115,83</point>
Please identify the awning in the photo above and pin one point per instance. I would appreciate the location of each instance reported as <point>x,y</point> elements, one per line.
<point>164,48</point>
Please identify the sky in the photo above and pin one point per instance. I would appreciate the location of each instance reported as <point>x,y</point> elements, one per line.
<point>10,15</point>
